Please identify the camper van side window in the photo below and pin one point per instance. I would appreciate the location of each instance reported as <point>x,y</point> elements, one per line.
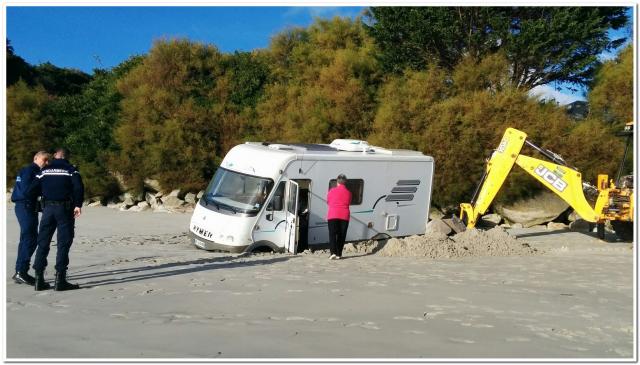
<point>355,186</point>
<point>277,200</point>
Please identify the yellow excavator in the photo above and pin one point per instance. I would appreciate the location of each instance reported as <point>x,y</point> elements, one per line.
<point>614,201</point>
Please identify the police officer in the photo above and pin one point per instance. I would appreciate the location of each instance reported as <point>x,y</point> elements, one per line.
<point>62,193</point>
<point>27,215</point>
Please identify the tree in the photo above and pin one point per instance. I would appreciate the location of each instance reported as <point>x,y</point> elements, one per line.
<point>85,125</point>
<point>542,44</point>
<point>460,117</point>
<point>323,86</point>
<point>611,95</point>
<point>28,125</point>
<point>60,81</point>
<point>17,68</point>
<point>171,115</point>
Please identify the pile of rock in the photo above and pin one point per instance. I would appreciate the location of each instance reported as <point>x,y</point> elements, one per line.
<point>153,198</point>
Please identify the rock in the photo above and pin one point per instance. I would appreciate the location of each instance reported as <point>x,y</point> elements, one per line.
<point>143,206</point>
<point>94,204</point>
<point>491,220</point>
<point>517,225</point>
<point>86,202</point>
<point>159,194</point>
<point>131,198</point>
<point>573,216</point>
<point>128,199</point>
<point>435,214</point>
<point>580,225</point>
<point>175,193</point>
<point>123,207</point>
<point>152,200</point>
<point>437,226</point>
<point>190,198</point>
<point>134,208</point>
<point>554,226</point>
<point>113,205</point>
<point>172,201</point>
<point>152,184</point>
<point>94,199</point>
<point>200,194</point>
<point>543,208</point>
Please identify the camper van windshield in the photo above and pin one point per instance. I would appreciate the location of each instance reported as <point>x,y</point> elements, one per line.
<point>236,192</point>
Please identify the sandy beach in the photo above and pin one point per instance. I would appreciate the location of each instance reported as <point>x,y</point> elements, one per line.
<point>148,293</point>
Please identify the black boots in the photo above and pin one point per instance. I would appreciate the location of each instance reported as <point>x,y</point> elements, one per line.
<point>40,284</point>
<point>62,283</point>
<point>23,277</point>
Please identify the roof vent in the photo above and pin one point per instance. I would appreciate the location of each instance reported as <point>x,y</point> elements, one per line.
<point>278,146</point>
<point>351,145</point>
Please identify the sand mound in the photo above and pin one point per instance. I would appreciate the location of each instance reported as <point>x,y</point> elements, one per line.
<point>470,243</point>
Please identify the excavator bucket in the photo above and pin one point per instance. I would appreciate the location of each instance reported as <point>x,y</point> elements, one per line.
<point>455,224</point>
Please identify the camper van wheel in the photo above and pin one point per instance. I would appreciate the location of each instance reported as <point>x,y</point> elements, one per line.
<point>262,249</point>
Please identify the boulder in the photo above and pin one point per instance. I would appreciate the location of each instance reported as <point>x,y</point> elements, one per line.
<point>143,206</point>
<point>437,226</point>
<point>95,204</point>
<point>172,201</point>
<point>200,194</point>
<point>543,208</point>
<point>580,225</point>
<point>554,226</point>
<point>159,194</point>
<point>123,207</point>
<point>176,193</point>
<point>435,214</point>
<point>128,200</point>
<point>152,184</point>
<point>134,208</point>
<point>190,198</point>
<point>491,220</point>
<point>113,205</point>
<point>152,200</point>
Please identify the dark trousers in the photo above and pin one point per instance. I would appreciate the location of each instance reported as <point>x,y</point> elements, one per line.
<point>54,217</point>
<point>337,235</point>
<point>28,220</point>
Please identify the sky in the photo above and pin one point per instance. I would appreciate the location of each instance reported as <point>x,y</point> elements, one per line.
<point>101,37</point>
<point>86,38</point>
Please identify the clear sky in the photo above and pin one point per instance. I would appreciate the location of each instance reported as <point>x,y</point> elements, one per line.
<point>101,37</point>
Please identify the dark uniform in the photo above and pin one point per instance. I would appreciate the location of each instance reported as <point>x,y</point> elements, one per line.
<point>27,215</point>
<point>62,190</point>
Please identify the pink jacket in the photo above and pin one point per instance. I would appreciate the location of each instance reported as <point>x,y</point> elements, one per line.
<point>338,200</point>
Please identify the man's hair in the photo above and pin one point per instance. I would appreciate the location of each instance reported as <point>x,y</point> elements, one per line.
<point>44,154</point>
<point>342,179</point>
<point>64,152</point>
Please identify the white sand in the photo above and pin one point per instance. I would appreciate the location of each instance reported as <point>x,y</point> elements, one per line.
<point>148,293</point>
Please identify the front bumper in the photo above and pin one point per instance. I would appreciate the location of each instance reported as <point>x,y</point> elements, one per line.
<point>211,246</point>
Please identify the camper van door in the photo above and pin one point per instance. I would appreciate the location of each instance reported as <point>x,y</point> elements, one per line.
<point>291,227</point>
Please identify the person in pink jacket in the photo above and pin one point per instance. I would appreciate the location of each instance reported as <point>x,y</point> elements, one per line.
<point>338,201</point>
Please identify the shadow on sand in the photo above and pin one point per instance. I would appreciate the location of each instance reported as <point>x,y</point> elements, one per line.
<point>227,262</point>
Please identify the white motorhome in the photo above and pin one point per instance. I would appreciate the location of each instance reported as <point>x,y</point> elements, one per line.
<point>273,196</point>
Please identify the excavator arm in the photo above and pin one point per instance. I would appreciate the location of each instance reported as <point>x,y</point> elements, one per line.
<point>556,176</point>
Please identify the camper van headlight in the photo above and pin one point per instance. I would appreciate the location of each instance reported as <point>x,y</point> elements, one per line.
<point>230,239</point>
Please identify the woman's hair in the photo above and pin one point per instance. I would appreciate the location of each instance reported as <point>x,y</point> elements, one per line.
<point>342,179</point>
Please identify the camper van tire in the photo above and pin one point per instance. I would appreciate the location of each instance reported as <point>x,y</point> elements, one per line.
<point>263,246</point>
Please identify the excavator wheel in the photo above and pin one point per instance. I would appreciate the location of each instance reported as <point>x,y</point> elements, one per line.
<point>624,230</point>
<point>600,230</point>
